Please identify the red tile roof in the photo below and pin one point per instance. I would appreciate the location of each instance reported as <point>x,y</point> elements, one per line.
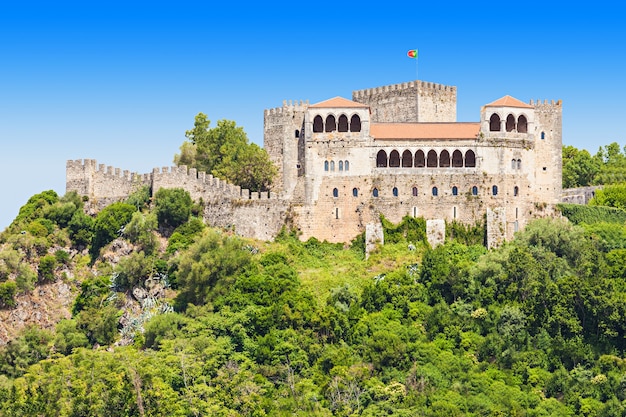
<point>338,102</point>
<point>383,131</point>
<point>508,101</point>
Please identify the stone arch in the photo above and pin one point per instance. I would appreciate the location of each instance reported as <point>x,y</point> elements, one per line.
<point>431,161</point>
<point>457,159</point>
<point>318,124</point>
<point>340,165</point>
<point>510,123</point>
<point>444,159</point>
<point>420,160</point>
<point>470,159</point>
<point>381,159</point>
<point>394,159</point>
<point>346,165</point>
<point>494,123</point>
<point>522,124</point>
<point>407,159</point>
<point>331,124</point>
<point>355,123</point>
<point>342,124</point>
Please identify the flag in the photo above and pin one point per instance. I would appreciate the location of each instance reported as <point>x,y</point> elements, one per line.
<point>412,53</point>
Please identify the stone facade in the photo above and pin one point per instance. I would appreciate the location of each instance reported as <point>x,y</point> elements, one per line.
<point>394,150</point>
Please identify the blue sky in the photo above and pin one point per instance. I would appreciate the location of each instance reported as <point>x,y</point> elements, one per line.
<point>121,82</point>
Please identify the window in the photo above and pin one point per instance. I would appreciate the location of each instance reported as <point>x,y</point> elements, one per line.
<point>325,165</point>
<point>394,159</point>
<point>297,133</point>
<point>474,190</point>
<point>420,159</point>
<point>543,135</point>
<point>375,192</point>
<point>494,123</point>
<point>336,213</point>
<point>332,165</point>
<point>395,191</point>
<point>335,192</point>
<point>515,191</point>
<point>414,191</point>
<point>522,124</point>
<point>494,190</point>
<point>340,165</point>
<point>444,159</point>
<point>455,190</point>
<point>454,212</point>
<point>519,164</point>
<point>355,124</point>
<point>381,159</point>
<point>355,192</point>
<point>414,211</point>
<point>457,159</point>
<point>331,125</point>
<point>346,166</point>
<point>470,159</point>
<point>513,164</point>
<point>510,123</point>
<point>318,124</point>
<point>435,191</point>
<point>343,123</point>
<point>431,162</point>
<point>407,159</point>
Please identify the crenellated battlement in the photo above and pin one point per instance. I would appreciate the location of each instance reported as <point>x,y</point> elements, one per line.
<point>288,106</point>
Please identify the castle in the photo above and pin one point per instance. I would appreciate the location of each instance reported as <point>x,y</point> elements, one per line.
<point>395,150</point>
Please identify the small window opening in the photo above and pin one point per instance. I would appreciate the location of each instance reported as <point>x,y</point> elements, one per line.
<point>335,192</point>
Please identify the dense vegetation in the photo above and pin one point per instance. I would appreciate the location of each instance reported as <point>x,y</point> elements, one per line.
<point>172,318</point>
<point>580,168</point>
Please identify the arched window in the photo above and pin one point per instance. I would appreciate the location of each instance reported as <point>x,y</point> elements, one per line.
<point>494,190</point>
<point>355,123</point>
<point>340,165</point>
<point>474,190</point>
<point>381,159</point>
<point>519,164</point>
<point>375,192</point>
<point>297,133</point>
<point>394,159</point>
<point>346,166</point>
<point>444,159</point>
<point>395,191</point>
<point>510,123</point>
<point>332,165</point>
<point>457,159</point>
<point>414,191</point>
<point>455,190</point>
<point>494,123</point>
<point>335,192</point>
<point>325,165</point>
<point>407,159</point>
<point>318,124</point>
<point>435,191</point>
<point>343,123</point>
<point>420,160</point>
<point>513,164</point>
<point>355,192</point>
<point>331,124</point>
<point>543,135</point>
<point>522,124</point>
<point>515,191</point>
<point>470,159</point>
<point>431,162</point>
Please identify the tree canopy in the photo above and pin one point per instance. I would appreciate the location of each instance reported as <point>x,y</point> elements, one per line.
<point>225,152</point>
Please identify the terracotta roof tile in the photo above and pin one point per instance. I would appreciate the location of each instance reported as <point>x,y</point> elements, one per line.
<point>384,131</point>
<point>338,102</point>
<point>508,101</point>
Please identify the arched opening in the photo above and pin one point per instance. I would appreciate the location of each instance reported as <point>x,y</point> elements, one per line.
<point>513,164</point>
<point>395,191</point>
<point>414,191</point>
<point>420,160</point>
<point>444,159</point>
<point>381,159</point>
<point>318,124</point>
<point>455,190</point>
<point>457,159</point>
<point>474,190</point>
<point>519,164</point>
<point>470,159</point>
<point>335,192</point>
<point>543,135</point>
<point>325,165</point>
<point>297,133</point>
<point>342,124</point>
<point>494,123</point>
<point>515,191</point>
<point>510,123</point>
<point>522,124</point>
<point>494,190</point>
<point>355,123</point>
<point>431,162</point>
<point>340,165</point>
<point>375,192</point>
<point>435,191</point>
<point>332,165</point>
<point>355,192</point>
<point>394,159</point>
<point>407,159</point>
<point>331,124</point>
<point>346,166</point>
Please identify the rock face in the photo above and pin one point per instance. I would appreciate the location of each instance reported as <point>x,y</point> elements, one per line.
<point>43,307</point>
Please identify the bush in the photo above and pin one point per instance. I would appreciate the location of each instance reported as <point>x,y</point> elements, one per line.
<point>109,224</point>
<point>173,206</point>
<point>7,294</point>
<point>80,229</point>
<point>47,265</point>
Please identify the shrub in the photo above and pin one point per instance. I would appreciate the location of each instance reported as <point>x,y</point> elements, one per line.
<point>109,224</point>
<point>173,206</point>
<point>7,294</point>
<point>47,265</point>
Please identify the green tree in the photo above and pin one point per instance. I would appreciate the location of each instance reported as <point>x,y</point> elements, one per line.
<point>579,167</point>
<point>172,206</point>
<point>109,224</point>
<point>226,153</point>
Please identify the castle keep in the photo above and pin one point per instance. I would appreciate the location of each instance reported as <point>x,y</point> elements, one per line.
<point>395,150</point>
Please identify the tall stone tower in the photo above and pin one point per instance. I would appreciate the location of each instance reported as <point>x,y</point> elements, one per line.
<point>415,101</point>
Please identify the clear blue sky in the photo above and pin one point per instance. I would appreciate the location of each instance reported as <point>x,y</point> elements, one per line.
<point>120,82</point>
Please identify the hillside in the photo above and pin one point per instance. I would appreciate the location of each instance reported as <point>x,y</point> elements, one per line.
<point>144,311</point>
